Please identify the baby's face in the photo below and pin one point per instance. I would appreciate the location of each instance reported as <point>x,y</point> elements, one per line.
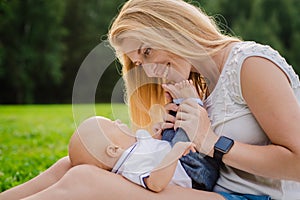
<point>113,129</point>
<point>117,132</point>
<point>94,138</point>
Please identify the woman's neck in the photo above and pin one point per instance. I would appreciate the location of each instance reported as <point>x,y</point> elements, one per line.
<point>221,57</point>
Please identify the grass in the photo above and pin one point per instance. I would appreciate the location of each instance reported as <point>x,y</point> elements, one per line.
<point>34,137</point>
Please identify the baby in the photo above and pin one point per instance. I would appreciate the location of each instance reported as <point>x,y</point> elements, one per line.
<point>203,169</point>
<point>146,161</point>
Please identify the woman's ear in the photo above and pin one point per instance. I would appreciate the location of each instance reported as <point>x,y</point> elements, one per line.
<point>113,150</point>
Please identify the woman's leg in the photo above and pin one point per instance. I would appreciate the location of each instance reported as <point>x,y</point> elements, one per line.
<point>40,182</point>
<point>90,182</point>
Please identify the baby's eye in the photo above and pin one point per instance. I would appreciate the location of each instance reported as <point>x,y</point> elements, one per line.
<point>147,51</point>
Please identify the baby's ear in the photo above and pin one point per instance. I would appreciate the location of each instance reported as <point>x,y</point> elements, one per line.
<point>113,150</point>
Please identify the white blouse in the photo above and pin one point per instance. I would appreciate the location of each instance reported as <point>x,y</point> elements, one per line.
<point>231,117</point>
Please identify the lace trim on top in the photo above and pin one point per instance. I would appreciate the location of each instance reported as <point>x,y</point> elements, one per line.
<point>226,101</point>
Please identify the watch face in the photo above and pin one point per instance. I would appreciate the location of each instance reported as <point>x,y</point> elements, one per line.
<point>224,144</point>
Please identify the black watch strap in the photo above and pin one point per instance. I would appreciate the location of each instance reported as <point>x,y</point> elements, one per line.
<point>222,146</point>
<point>218,157</point>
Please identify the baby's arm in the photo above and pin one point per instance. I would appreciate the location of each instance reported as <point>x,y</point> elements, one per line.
<point>161,176</point>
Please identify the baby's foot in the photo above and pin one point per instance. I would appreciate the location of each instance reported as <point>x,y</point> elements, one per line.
<point>186,89</point>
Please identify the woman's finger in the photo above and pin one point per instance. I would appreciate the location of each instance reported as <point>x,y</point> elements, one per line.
<point>180,123</point>
<point>183,116</point>
<point>169,118</point>
<point>167,125</point>
<point>171,107</point>
<point>188,106</point>
<point>160,126</point>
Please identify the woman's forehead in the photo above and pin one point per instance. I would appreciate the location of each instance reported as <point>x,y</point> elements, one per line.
<point>130,45</point>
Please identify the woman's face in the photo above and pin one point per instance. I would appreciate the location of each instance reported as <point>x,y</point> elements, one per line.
<point>157,63</point>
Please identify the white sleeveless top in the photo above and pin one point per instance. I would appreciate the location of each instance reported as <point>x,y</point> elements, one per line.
<point>230,116</point>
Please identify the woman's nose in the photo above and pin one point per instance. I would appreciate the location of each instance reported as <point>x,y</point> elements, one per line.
<point>136,58</point>
<point>138,63</point>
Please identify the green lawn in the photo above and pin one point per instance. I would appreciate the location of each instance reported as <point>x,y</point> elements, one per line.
<point>33,137</point>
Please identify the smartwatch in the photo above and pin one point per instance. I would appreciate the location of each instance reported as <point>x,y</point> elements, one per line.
<point>222,146</point>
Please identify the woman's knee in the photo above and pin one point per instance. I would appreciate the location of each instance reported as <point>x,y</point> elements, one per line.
<point>60,168</point>
<point>64,163</point>
<point>79,180</point>
<point>81,174</point>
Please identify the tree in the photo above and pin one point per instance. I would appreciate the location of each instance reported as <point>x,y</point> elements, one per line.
<point>31,48</point>
<point>43,43</point>
<point>87,23</point>
<point>272,22</point>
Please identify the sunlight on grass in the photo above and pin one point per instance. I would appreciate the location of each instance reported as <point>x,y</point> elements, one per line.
<point>33,137</point>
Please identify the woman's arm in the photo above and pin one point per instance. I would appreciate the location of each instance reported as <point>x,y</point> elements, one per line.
<point>161,176</point>
<point>271,100</point>
<point>269,96</point>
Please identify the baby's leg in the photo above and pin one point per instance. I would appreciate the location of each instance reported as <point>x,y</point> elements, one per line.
<point>203,170</point>
<point>180,136</point>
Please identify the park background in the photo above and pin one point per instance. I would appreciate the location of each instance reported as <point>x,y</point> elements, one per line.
<point>44,42</point>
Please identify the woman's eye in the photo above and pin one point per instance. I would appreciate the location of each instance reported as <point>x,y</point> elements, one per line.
<point>147,51</point>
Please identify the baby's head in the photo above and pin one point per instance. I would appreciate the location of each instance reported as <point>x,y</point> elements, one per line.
<point>99,141</point>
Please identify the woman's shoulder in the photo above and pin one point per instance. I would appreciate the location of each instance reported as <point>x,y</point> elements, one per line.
<point>230,78</point>
<point>245,49</point>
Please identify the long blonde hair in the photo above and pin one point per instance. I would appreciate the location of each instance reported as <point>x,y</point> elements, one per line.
<point>171,25</point>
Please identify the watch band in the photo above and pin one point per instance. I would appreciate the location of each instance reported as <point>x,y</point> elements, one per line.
<point>222,146</point>
<point>218,156</point>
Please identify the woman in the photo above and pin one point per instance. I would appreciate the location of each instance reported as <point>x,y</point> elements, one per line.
<point>176,41</point>
<point>170,41</point>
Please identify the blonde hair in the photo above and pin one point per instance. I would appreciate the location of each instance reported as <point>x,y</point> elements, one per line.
<point>171,25</point>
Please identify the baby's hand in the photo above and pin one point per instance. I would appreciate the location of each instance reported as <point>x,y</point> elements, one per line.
<point>184,89</point>
<point>184,148</point>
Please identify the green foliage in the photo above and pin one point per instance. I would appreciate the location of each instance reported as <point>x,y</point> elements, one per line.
<point>34,137</point>
<point>271,22</point>
<point>88,23</point>
<point>43,43</point>
<point>32,48</point>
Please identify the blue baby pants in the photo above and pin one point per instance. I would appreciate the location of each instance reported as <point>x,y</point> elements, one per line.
<point>202,169</point>
<point>228,196</point>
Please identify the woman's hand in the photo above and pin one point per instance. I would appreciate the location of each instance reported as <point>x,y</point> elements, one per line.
<point>168,120</point>
<point>194,120</point>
